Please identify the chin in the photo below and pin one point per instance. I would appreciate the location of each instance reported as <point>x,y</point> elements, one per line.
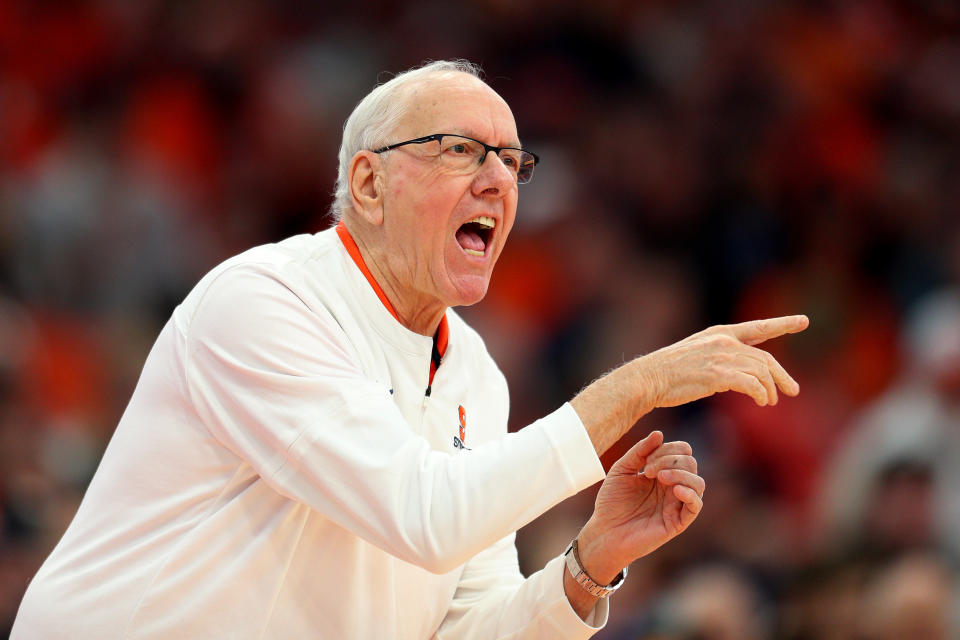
<point>469,291</point>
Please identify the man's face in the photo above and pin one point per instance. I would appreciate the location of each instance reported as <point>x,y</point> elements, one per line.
<point>427,206</point>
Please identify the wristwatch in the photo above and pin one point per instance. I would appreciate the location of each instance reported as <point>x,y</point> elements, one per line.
<point>583,578</point>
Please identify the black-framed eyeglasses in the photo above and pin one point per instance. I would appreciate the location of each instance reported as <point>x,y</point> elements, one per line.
<point>465,154</point>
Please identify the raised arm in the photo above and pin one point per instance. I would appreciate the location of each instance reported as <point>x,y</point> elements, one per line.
<point>721,358</point>
<point>653,493</point>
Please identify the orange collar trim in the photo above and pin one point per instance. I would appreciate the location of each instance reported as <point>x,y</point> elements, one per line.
<point>443,331</point>
<point>354,252</point>
<point>443,335</point>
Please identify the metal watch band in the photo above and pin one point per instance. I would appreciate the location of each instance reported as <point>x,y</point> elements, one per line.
<point>576,570</point>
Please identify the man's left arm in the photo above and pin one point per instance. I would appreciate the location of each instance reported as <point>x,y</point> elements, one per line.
<point>493,600</point>
<point>650,495</point>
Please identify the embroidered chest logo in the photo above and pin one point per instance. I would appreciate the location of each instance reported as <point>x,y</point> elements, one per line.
<point>458,443</point>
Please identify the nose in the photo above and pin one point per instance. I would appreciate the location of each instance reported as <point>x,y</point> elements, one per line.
<point>494,177</point>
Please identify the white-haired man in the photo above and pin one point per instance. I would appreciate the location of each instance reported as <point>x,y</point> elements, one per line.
<point>318,444</point>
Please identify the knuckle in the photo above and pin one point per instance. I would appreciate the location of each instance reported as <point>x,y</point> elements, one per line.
<point>720,339</point>
<point>730,342</point>
<point>772,362</point>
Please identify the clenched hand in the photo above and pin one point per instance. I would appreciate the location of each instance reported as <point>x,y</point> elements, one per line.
<point>650,495</point>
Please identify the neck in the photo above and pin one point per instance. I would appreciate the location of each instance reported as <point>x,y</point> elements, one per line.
<point>415,311</point>
<point>423,321</point>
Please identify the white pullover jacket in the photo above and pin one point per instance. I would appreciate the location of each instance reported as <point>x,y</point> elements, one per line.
<point>281,472</point>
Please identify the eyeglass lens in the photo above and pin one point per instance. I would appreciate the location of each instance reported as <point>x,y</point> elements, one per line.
<point>462,153</point>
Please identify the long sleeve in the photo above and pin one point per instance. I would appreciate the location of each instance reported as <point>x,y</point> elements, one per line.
<point>276,381</point>
<point>493,601</point>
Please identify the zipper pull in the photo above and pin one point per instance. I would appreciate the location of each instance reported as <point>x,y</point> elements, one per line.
<point>426,398</point>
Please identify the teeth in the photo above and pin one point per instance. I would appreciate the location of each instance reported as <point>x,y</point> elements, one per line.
<point>471,252</point>
<point>484,221</point>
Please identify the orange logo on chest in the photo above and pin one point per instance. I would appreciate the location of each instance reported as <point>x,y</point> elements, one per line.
<point>463,424</point>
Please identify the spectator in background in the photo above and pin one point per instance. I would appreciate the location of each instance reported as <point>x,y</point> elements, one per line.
<point>185,132</point>
<point>892,484</point>
<point>913,597</point>
<point>710,602</point>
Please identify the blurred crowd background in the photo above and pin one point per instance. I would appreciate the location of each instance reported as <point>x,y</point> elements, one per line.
<point>703,162</point>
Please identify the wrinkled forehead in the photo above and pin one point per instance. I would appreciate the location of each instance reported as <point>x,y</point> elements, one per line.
<point>457,103</point>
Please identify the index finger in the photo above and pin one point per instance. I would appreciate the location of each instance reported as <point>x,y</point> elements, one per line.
<point>757,331</point>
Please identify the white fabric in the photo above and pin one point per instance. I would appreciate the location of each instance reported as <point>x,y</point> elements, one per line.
<point>280,473</point>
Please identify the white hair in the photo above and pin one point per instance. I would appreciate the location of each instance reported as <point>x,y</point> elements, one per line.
<point>377,116</point>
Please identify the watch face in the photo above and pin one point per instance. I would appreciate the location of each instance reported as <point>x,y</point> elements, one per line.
<point>618,579</point>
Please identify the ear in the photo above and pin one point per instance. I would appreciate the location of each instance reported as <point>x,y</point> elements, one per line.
<point>366,186</point>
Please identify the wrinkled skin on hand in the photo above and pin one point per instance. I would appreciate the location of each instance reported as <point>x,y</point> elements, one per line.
<point>723,358</point>
<point>650,495</point>
<point>718,359</point>
<point>653,493</point>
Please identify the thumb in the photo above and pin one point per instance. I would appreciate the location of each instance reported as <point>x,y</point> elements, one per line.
<point>634,460</point>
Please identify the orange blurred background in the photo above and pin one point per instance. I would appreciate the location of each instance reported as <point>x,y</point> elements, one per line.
<point>702,162</point>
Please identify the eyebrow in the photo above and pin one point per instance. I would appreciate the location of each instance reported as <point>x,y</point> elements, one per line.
<point>473,134</point>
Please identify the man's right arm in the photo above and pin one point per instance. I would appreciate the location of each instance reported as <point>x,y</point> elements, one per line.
<point>721,358</point>
<point>653,493</point>
<point>277,383</point>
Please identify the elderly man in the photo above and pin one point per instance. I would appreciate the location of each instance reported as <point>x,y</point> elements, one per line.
<point>318,445</point>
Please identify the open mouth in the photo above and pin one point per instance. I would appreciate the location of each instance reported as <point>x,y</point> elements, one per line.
<point>475,234</point>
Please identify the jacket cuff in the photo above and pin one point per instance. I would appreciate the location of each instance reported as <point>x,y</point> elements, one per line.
<point>562,611</point>
<point>573,446</point>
